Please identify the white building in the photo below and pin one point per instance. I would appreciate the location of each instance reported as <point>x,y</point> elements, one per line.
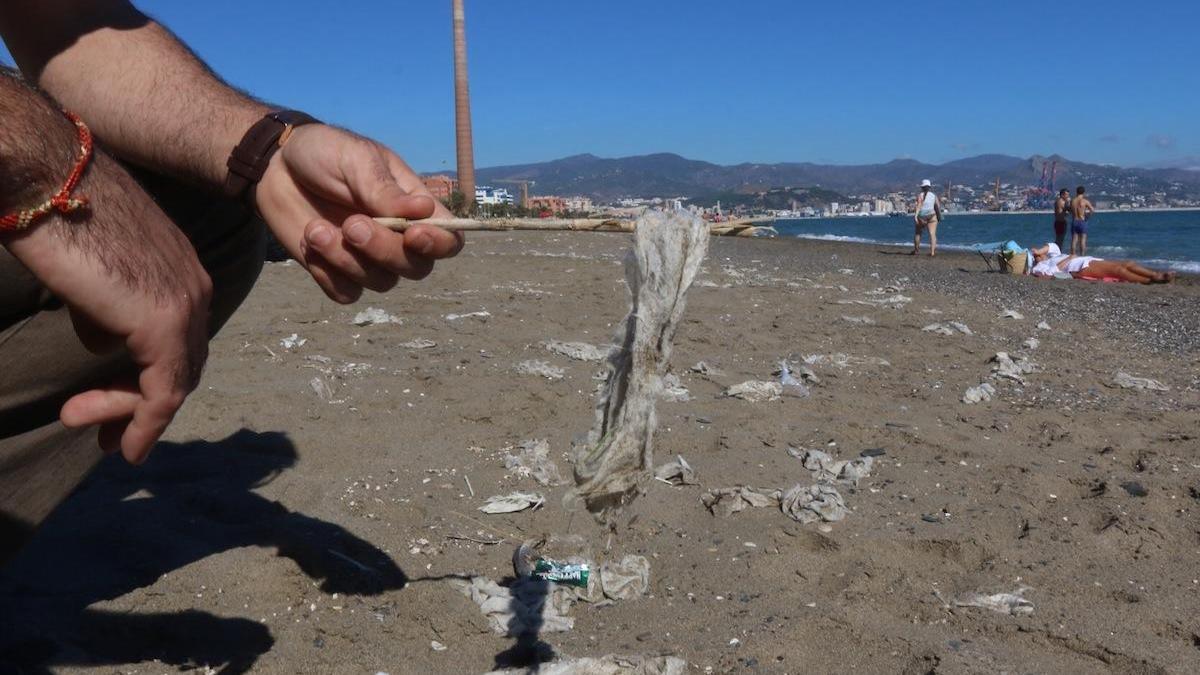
<point>579,204</point>
<point>487,195</point>
<point>883,206</point>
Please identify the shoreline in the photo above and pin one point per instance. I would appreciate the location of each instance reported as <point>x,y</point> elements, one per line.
<point>884,231</point>
<point>954,249</point>
<point>1167,209</point>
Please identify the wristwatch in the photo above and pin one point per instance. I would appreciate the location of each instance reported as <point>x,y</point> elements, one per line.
<point>250,157</point>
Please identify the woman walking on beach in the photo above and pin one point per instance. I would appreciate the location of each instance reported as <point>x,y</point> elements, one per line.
<point>929,214</point>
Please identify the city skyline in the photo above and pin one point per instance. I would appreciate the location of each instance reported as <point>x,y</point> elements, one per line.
<point>760,82</point>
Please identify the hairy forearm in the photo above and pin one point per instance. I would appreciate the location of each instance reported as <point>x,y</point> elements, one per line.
<point>143,93</point>
<point>38,147</point>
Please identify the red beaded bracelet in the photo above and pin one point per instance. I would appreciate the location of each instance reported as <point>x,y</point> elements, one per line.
<point>61,201</point>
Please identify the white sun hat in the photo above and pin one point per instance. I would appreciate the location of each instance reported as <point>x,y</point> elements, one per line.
<point>926,183</point>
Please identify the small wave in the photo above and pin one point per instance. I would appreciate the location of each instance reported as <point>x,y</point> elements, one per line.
<point>1189,266</point>
<point>843,237</point>
<point>1110,250</point>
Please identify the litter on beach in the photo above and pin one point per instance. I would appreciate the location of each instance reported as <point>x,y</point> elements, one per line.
<point>482,315</point>
<point>792,386</point>
<point>1002,603</point>
<point>606,665</point>
<point>810,503</point>
<point>676,472</point>
<point>948,328</point>
<point>825,468</point>
<point>625,579</point>
<point>673,389</point>
<point>728,501</point>
<point>533,461</point>
<point>615,460</point>
<point>372,316</point>
<point>1126,381</point>
<point>540,369</point>
<point>845,360</point>
<point>802,503</point>
<point>512,503</point>
<point>526,606</point>
<point>579,351</point>
<point>1005,366</point>
<point>755,391</point>
<point>979,393</point>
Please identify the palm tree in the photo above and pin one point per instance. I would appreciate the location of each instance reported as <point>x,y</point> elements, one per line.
<point>462,108</point>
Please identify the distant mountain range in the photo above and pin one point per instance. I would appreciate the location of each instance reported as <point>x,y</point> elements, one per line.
<point>1188,163</point>
<point>669,175</point>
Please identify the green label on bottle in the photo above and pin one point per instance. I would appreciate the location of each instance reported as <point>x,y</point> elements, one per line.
<point>561,573</point>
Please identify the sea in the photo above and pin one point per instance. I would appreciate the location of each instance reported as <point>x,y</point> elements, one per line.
<point>1164,239</point>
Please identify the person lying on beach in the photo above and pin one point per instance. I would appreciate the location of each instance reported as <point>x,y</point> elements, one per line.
<point>125,252</point>
<point>1050,261</point>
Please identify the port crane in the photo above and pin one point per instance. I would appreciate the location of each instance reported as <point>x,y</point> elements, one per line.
<point>995,197</point>
<point>1042,196</point>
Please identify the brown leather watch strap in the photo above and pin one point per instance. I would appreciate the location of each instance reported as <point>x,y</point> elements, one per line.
<point>250,157</point>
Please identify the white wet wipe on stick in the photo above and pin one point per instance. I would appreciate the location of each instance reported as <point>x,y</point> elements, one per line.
<point>612,465</point>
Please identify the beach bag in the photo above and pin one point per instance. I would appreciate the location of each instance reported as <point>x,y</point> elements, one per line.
<point>1014,262</point>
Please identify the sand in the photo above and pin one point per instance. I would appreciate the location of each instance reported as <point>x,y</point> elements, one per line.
<point>311,505</point>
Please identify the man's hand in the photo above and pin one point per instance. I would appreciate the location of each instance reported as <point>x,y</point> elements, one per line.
<point>318,196</point>
<point>128,275</point>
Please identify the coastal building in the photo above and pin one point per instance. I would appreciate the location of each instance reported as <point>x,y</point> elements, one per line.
<point>548,203</point>
<point>487,195</point>
<point>579,203</point>
<point>882,206</point>
<point>439,186</point>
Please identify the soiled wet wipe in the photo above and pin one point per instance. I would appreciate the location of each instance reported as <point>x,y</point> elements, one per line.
<point>728,501</point>
<point>534,461</point>
<point>826,469</point>
<point>677,472</point>
<point>615,461</point>
<point>606,665</point>
<point>626,579</point>
<point>527,606</point>
<point>802,503</point>
<point>810,503</point>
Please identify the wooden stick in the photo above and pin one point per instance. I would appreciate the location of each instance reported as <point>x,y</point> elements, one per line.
<point>511,224</point>
<point>549,224</point>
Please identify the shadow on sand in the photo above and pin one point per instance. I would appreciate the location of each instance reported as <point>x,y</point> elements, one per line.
<point>529,597</point>
<point>127,526</point>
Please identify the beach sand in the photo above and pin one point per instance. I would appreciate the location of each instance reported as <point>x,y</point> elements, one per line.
<point>311,505</point>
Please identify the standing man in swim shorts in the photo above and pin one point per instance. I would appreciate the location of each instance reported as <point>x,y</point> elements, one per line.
<point>929,214</point>
<point>1062,207</point>
<point>1081,209</point>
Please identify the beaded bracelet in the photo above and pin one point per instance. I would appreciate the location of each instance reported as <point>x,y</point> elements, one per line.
<point>61,201</point>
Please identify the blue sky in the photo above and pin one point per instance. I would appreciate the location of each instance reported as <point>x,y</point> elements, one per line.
<point>748,81</point>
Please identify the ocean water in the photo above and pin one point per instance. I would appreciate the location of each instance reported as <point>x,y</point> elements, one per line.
<point>1166,239</point>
